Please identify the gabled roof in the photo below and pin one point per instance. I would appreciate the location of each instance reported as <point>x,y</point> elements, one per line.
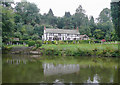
<point>82,36</point>
<point>65,31</point>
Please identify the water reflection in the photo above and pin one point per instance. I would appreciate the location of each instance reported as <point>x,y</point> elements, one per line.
<point>51,69</point>
<point>15,61</point>
<point>24,69</point>
<point>95,79</point>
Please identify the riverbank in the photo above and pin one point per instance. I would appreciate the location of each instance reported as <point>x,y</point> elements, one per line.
<point>99,50</point>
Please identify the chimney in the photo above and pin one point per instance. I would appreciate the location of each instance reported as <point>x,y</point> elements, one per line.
<point>44,28</point>
<point>77,29</point>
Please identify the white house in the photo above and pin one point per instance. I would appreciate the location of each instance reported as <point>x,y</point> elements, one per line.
<point>62,34</point>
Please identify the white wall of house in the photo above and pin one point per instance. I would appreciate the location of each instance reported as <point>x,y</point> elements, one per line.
<point>50,36</point>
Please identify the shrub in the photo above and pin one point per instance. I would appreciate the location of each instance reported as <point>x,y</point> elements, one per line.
<point>97,41</point>
<point>68,52</point>
<point>20,42</point>
<point>44,42</point>
<point>55,42</point>
<point>84,41</point>
<point>52,52</point>
<point>70,41</point>
<point>61,42</point>
<point>31,43</point>
<point>26,41</point>
<point>49,42</point>
<point>116,53</point>
<point>38,43</point>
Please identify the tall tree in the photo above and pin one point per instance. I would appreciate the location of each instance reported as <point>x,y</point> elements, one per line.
<point>7,23</point>
<point>28,12</point>
<point>92,20</point>
<point>50,13</point>
<point>51,19</point>
<point>115,9</point>
<point>80,9</point>
<point>67,14</point>
<point>105,15</point>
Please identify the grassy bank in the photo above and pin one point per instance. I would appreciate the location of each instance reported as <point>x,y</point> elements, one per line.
<point>106,50</point>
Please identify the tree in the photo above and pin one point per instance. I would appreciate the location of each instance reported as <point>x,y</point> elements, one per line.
<point>27,11</point>
<point>60,22</point>
<point>92,20</point>
<point>38,29</point>
<point>67,14</point>
<point>105,15</point>
<point>51,19</point>
<point>115,13</point>
<point>92,25</point>
<point>50,13</point>
<point>98,34</point>
<point>7,23</point>
<point>80,10</point>
<point>105,23</point>
<point>35,37</point>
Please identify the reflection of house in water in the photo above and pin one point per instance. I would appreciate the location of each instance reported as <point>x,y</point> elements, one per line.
<point>51,69</point>
<point>16,61</point>
<point>95,79</point>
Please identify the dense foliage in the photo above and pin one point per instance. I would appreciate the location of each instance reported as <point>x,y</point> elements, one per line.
<point>106,50</point>
<point>115,9</point>
<point>24,21</point>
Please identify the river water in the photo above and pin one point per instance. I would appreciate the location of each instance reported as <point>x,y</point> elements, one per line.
<point>37,69</point>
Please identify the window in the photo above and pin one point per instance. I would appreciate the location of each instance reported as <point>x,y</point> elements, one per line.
<point>68,38</point>
<point>74,38</point>
<point>59,34</point>
<point>85,36</point>
<point>50,38</point>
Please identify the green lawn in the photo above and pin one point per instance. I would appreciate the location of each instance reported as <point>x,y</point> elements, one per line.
<point>81,46</point>
<point>17,45</point>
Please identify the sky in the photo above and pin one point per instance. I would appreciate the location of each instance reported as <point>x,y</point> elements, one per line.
<point>59,7</point>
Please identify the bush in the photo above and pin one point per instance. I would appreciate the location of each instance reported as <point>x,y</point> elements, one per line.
<point>31,43</point>
<point>52,52</point>
<point>44,42</point>
<point>84,41</point>
<point>26,41</point>
<point>38,43</point>
<point>56,42</point>
<point>70,41</point>
<point>20,42</point>
<point>49,42</point>
<point>61,42</point>
<point>53,42</point>
<point>97,41</point>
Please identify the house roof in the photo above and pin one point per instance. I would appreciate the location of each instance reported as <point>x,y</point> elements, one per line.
<point>66,31</point>
<point>82,36</point>
<point>115,0</point>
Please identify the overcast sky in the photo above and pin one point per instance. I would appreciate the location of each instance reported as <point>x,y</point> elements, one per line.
<point>59,7</point>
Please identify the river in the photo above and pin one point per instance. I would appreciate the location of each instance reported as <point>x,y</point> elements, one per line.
<point>39,69</point>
